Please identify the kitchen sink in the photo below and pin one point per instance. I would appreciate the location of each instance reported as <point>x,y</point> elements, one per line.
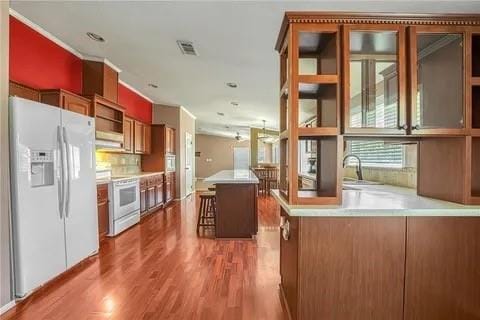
<point>353,182</point>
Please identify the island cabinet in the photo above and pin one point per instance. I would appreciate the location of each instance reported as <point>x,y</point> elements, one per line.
<point>373,267</point>
<point>442,268</point>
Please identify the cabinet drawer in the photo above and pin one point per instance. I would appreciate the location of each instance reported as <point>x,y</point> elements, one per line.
<point>102,193</point>
<point>143,183</point>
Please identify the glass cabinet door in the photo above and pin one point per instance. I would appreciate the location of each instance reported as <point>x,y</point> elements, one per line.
<point>374,73</point>
<point>438,80</point>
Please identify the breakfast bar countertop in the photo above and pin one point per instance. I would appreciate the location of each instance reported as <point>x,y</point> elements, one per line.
<point>380,200</point>
<point>232,177</point>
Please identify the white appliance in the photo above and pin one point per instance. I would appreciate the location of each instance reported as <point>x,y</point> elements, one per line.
<point>124,207</point>
<point>54,202</point>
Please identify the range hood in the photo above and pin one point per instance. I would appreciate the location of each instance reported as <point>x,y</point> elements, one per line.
<point>108,141</point>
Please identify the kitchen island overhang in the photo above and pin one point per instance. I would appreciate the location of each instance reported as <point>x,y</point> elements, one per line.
<point>236,193</point>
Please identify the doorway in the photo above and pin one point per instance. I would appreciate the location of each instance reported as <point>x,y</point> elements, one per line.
<point>188,164</point>
<point>241,158</point>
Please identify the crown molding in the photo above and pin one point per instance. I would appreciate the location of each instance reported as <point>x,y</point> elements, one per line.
<point>188,112</point>
<point>294,17</point>
<point>44,33</point>
<point>123,83</point>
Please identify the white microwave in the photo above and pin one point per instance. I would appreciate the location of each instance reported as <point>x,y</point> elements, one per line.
<point>170,163</point>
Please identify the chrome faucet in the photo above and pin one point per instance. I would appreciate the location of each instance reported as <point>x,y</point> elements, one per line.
<point>359,167</point>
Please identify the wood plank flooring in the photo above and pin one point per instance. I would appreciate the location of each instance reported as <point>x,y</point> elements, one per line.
<point>160,269</point>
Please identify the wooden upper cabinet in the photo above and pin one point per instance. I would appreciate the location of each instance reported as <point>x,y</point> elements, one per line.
<point>128,135</point>
<point>66,100</point>
<point>147,136</point>
<point>438,71</point>
<point>19,90</point>
<point>139,137</point>
<point>101,79</point>
<point>169,140</point>
<point>374,79</point>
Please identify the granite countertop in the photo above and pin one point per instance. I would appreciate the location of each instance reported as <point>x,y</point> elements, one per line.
<point>380,200</point>
<point>133,175</point>
<point>232,177</point>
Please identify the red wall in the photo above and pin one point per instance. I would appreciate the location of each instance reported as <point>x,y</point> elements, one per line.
<point>40,63</point>
<point>136,106</point>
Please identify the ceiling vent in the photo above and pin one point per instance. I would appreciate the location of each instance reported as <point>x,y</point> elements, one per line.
<point>187,47</point>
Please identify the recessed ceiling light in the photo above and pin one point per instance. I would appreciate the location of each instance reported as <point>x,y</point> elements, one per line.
<point>95,37</point>
<point>221,114</point>
<point>153,85</point>
<point>232,84</point>
<point>233,103</point>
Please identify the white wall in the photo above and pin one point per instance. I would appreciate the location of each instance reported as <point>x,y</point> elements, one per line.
<point>187,124</point>
<point>5,272</point>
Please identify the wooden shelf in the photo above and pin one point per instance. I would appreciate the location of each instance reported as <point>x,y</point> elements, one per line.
<point>318,79</point>
<point>109,119</point>
<point>475,81</point>
<point>318,132</point>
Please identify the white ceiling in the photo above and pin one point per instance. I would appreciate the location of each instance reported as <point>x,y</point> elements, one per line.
<point>235,42</point>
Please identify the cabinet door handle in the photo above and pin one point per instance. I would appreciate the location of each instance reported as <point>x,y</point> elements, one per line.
<point>416,127</point>
<point>285,227</point>
<point>402,127</point>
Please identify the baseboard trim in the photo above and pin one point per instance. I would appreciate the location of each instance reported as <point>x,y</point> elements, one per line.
<point>7,307</point>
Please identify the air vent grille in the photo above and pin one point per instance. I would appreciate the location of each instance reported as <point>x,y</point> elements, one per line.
<point>187,47</point>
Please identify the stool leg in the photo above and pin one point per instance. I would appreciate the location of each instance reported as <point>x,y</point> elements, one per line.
<point>199,215</point>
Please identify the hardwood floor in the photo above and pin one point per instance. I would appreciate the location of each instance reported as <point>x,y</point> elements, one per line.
<point>160,269</point>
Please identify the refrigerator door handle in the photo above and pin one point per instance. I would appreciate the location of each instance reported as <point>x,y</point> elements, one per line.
<point>67,146</point>
<point>61,184</point>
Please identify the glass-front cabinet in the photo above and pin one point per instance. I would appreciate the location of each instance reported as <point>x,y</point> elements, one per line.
<point>374,80</point>
<point>347,76</point>
<point>438,73</point>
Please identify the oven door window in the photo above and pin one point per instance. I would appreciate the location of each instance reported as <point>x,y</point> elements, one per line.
<point>128,195</point>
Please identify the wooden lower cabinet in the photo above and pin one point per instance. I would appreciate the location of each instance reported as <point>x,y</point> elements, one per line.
<point>169,187</point>
<point>443,268</point>
<point>151,193</point>
<point>102,210</point>
<point>381,268</point>
<point>151,196</point>
<point>143,200</point>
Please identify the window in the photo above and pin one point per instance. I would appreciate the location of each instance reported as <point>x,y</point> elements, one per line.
<point>377,154</point>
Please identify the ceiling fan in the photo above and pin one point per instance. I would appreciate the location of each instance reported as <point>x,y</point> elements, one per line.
<point>239,138</point>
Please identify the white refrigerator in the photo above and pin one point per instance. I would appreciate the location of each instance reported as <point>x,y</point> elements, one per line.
<point>54,202</point>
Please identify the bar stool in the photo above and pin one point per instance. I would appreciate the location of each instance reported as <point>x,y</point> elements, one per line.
<point>207,211</point>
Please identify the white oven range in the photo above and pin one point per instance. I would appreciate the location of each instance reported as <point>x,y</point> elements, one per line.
<point>124,206</point>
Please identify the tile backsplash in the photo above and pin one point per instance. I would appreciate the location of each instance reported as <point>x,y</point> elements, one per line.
<point>402,177</point>
<point>120,163</point>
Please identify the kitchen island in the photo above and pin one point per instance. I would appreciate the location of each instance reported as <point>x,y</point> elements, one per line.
<point>236,203</point>
<point>384,253</point>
